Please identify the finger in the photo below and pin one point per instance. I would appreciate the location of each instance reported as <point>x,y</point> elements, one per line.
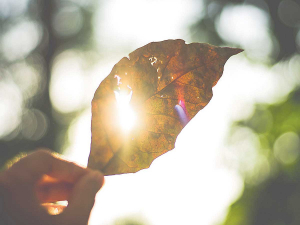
<point>53,192</point>
<point>41,162</point>
<point>82,198</point>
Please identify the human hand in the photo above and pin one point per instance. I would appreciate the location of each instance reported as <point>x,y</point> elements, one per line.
<point>41,177</point>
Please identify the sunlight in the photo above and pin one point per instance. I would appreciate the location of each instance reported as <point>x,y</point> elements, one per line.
<point>138,26</point>
<point>67,89</point>
<point>126,115</point>
<point>79,135</point>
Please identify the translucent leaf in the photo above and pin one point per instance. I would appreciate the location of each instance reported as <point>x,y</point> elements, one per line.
<point>142,105</point>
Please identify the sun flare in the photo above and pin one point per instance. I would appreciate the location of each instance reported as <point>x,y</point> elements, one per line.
<point>127,117</point>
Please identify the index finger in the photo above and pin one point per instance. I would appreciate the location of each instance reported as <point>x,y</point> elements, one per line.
<point>43,162</point>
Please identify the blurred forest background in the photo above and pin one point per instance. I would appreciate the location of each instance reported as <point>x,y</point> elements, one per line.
<point>54,54</point>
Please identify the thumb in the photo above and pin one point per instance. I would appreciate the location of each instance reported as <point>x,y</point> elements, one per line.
<point>82,198</point>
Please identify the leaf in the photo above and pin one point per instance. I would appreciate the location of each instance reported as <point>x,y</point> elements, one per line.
<point>161,86</point>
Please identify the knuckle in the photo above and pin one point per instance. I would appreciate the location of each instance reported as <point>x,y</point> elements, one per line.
<point>44,153</point>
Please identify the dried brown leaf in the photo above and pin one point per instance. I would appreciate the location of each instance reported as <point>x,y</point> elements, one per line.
<point>168,82</point>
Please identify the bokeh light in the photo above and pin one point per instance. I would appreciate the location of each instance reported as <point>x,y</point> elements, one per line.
<point>12,8</point>
<point>289,13</point>
<point>68,21</point>
<point>27,78</point>
<point>13,47</point>
<point>10,113</point>
<point>287,147</point>
<point>35,124</point>
<point>247,26</point>
<point>67,82</point>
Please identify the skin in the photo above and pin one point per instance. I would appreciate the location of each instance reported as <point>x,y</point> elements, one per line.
<point>42,177</point>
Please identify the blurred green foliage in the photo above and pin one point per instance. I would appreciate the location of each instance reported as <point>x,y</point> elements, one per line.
<point>276,199</point>
<point>267,144</point>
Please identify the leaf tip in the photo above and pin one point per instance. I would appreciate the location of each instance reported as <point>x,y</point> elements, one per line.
<point>239,50</point>
<point>234,51</point>
<point>226,52</point>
